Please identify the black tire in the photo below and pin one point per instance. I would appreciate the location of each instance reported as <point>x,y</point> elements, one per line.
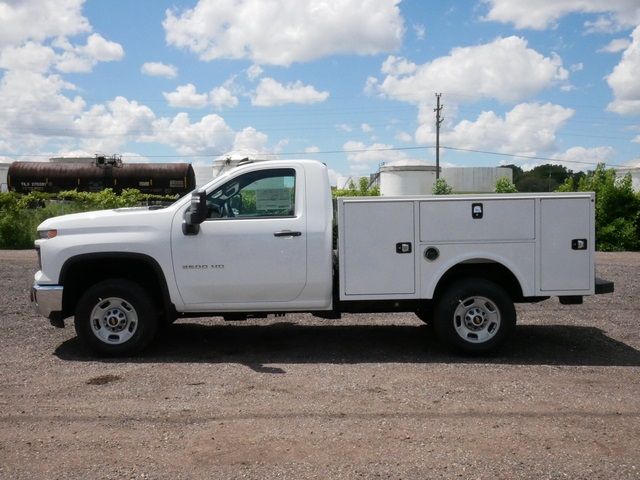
<point>474,316</point>
<point>116,317</point>
<point>425,313</point>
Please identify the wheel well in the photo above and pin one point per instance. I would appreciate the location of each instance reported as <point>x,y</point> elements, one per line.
<point>482,268</point>
<point>80,273</point>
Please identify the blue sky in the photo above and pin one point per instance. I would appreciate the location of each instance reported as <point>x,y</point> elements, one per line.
<point>350,83</point>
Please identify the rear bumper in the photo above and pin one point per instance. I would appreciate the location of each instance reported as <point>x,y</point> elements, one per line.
<point>47,299</point>
<point>603,286</point>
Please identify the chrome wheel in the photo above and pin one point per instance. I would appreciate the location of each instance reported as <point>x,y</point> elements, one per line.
<point>114,320</point>
<point>476,319</point>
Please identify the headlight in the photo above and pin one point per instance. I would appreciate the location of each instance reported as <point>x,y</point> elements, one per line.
<point>47,233</point>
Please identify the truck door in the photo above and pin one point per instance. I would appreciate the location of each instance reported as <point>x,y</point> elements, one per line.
<point>252,249</point>
<point>378,250</point>
<point>566,244</point>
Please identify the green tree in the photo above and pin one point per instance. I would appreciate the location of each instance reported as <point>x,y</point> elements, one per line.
<point>543,178</point>
<point>441,187</point>
<point>504,185</point>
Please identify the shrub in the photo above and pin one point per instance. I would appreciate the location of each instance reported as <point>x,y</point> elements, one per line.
<point>441,187</point>
<point>504,185</point>
<point>617,208</point>
<point>21,214</point>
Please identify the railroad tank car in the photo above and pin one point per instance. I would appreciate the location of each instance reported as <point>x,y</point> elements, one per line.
<point>153,178</point>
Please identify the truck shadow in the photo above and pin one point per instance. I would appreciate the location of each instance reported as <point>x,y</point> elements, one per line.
<point>257,346</point>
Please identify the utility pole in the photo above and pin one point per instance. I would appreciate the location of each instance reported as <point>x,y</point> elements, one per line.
<point>439,120</point>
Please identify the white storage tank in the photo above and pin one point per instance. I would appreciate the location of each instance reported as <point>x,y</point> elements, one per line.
<point>204,173</point>
<point>475,179</point>
<point>635,176</point>
<point>406,179</point>
<point>4,169</point>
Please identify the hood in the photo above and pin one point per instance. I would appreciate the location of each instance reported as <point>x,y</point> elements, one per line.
<point>137,218</point>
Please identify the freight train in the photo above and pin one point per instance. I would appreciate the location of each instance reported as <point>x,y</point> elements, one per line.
<point>94,176</point>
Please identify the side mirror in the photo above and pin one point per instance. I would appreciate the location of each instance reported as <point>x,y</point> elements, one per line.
<point>197,213</point>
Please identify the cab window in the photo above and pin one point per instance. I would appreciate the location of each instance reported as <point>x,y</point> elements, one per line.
<point>263,193</point>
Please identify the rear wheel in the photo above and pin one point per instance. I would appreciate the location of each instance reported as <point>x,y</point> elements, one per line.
<point>116,317</point>
<point>474,316</point>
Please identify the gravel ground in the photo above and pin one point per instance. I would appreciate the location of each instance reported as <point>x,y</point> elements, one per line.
<point>368,396</point>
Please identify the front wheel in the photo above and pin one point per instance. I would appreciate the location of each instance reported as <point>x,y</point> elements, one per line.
<point>116,317</point>
<point>474,316</point>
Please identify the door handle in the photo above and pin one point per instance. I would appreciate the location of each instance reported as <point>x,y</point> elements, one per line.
<point>287,233</point>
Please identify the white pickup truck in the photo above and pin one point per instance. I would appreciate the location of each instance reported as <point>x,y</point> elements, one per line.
<point>265,238</point>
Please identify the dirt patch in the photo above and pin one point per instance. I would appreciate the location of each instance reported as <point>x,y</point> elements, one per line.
<point>103,379</point>
<point>369,396</point>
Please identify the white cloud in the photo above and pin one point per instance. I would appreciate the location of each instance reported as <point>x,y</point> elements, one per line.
<point>282,32</point>
<point>254,72</point>
<point>616,45</point>
<point>404,137</point>
<point>38,110</point>
<point>34,107</point>
<point>420,31</point>
<point>543,14</point>
<point>38,20</point>
<point>251,140</point>
<point>185,96</point>
<point>312,149</point>
<point>82,59</point>
<point>366,128</point>
<point>158,69</point>
<point>576,67</point>
<point>606,24</point>
<point>221,97</point>
<point>529,128</point>
<point>398,66</point>
<point>210,135</point>
<point>364,158</point>
<point>624,79</point>
<point>473,73</point>
<point>31,56</point>
<point>271,93</point>
<point>344,127</point>
<point>581,158</point>
<point>36,57</point>
<point>107,127</point>
<point>102,50</point>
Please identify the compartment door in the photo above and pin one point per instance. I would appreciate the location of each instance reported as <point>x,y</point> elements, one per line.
<point>374,259</point>
<point>563,267</point>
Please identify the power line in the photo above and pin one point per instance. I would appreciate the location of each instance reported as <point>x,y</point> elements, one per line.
<point>359,150</point>
<point>527,157</point>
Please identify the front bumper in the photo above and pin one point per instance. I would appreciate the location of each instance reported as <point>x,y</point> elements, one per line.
<point>47,300</point>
